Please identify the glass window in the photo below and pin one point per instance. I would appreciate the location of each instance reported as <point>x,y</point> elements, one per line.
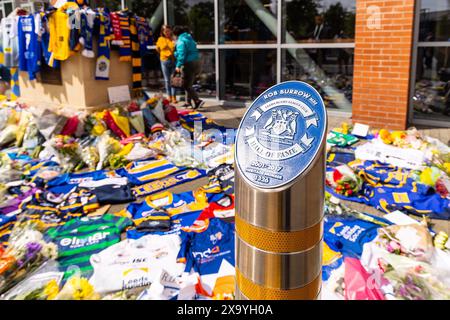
<point>8,8</point>
<point>205,84</point>
<point>151,10</point>
<point>250,21</point>
<point>330,71</point>
<point>198,15</point>
<point>434,20</point>
<point>152,76</point>
<point>112,5</point>
<point>318,21</point>
<point>246,73</point>
<point>431,98</point>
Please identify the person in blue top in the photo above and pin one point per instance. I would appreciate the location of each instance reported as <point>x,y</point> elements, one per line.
<point>188,61</point>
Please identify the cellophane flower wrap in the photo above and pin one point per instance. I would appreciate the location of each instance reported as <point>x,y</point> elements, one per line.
<point>26,252</point>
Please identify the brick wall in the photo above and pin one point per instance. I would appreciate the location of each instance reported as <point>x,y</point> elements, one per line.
<point>383,49</point>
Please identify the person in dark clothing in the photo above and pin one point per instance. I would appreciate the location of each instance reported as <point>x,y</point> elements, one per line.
<point>187,60</point>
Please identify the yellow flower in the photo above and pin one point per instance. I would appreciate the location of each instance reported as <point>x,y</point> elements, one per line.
<point>51,290</point>
<point>82,289</point>
<point>447,167</point>
<point>385,136</point>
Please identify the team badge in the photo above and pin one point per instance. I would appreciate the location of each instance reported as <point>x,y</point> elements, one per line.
<point>280,134</point>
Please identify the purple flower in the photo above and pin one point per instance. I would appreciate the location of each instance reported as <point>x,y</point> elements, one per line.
<point>20,263</point>
<point>33,248</point>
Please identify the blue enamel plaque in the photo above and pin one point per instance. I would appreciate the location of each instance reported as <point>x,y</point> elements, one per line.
<point>280,134</point>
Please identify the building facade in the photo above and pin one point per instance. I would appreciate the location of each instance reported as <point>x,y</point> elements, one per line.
<point>385,62</point>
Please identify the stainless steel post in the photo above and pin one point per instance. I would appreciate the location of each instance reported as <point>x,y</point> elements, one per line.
<point>279,184</point>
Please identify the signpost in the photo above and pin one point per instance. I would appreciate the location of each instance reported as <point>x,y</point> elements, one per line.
<point>280,176</point>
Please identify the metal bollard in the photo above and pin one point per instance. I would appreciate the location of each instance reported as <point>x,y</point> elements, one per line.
<point>279,184</point>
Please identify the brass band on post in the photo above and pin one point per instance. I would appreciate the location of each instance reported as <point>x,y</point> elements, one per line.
<point>278,270</point>
<point>279,236</point>
<point>282,241</point>
<point>253,291</point>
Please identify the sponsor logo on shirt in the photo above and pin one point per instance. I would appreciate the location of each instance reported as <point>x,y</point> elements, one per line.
<point>74,242</point>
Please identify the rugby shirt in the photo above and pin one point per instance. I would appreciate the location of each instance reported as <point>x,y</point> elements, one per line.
<point>80,238</point>
<point>141,172</point>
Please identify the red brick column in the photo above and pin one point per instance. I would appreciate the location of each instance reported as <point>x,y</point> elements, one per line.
<point>383,49</point>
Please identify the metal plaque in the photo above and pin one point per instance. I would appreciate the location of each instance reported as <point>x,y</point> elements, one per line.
<point>280,135</point>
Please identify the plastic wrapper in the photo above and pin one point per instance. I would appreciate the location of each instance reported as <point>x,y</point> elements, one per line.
<point>77,288</point>
<point>90,157</point>
<point>344,180</point>
<point>107,146</point>
<point>407,240</point>
<point>8,135</point>
<point>116,124</point>
<point>140,152</point>
<point>26,252</point>
<point>357,282</point>
<point>25,119</point>
<point>137,121</point>
<point>50,123</point>
<point>43,284</point>
<point>415,281</point>
<point>158,112</point>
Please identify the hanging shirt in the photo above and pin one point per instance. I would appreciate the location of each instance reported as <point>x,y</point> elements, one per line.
<point>80,238</point>
<point>210,252</point>
<point>60,32</point>
<point>45,41</point>
<point>145,35</point>
<point>29,46</point>
<point>87,18</point>
<point>135,263</point>
<point>10,44</point>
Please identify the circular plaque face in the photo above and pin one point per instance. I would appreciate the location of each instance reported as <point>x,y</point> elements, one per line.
<point>280,134</point>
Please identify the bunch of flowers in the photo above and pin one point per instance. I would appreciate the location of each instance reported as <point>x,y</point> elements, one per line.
<point>90,157</point>
<point>27,252</point>
<point>69,151</point>
<point>412,241</point>
<point>107,147</point>
<point>344,181</point>
<point>46,292</point>
<point>417,282</point>
<point>77,288</point>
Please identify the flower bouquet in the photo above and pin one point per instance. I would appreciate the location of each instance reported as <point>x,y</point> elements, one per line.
<point>77,288</point>
<point>27,251</point>
<point>43,284</point>
<point>107,147</point>
<point>68,151</point>
<point>344,181</point>
<point>417,282</point>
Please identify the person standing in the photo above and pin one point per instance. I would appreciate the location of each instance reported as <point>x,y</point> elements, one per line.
<point>187,61</point>
<point>165,47</point>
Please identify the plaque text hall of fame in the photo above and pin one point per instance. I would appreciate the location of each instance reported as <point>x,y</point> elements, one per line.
<point>280,134</point>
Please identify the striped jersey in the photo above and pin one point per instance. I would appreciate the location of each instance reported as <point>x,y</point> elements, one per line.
<point>80,238</point>
<point>6,225</point>
<point>183,209</point>
<point>141,172</point>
